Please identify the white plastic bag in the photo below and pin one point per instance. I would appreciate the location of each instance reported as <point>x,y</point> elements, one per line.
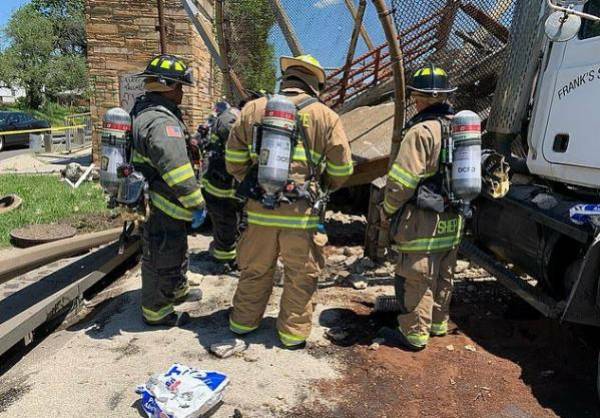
<point>182,392</point>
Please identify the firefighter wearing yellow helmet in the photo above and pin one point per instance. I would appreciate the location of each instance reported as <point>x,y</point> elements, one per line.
<point>426,233</point>
<point>284,224</point>
<point>160,152</point>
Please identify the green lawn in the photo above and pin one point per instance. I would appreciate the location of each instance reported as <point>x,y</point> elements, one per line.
<point>46,200</point>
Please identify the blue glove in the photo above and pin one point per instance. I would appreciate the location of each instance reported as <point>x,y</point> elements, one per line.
<point>198,218</point>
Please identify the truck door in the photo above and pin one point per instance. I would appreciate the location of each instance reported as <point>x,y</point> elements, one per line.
<point>573,132</point>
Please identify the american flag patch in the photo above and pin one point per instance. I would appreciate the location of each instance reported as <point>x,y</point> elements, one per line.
<point>174,132</point>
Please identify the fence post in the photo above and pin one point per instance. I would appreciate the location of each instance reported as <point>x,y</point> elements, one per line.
<point>48,142</point>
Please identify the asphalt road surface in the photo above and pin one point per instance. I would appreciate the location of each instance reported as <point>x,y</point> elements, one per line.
<point>13,152</point>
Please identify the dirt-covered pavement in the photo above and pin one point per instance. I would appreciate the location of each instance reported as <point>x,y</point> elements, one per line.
<point>500,360</point>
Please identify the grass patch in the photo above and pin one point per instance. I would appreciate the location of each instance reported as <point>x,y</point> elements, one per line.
<point>46,200</point>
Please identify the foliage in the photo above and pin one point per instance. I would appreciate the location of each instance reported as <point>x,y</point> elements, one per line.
<point>52,112</point>
<point>251,54</point>
<point>46,200</point>
<point>45,52</point>
<point>68,21</point>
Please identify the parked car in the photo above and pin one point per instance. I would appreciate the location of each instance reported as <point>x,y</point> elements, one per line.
<point>18,121</point>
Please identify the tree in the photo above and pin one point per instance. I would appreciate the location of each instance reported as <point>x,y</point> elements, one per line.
<point>45,53</point>
<point>68,20</point>
<point>26,60</point>
<point>250,53</point>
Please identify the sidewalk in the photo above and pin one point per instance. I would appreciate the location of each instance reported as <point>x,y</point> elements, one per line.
<point>30,163</point>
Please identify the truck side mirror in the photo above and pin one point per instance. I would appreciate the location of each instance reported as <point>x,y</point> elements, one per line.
<point>562,26</point>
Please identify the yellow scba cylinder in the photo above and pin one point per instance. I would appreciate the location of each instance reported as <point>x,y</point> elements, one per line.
<point>116,134</point>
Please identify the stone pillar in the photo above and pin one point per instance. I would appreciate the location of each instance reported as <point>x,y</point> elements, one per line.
<point>122,37</point>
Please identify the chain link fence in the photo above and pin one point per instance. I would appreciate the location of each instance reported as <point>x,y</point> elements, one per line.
<point>466,38</point>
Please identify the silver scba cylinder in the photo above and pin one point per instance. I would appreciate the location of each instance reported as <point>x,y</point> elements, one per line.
<point>278,127</point>
<point>466,167</point>
<point>116,130</point>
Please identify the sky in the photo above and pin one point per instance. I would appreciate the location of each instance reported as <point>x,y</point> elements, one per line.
<point>7,7</point>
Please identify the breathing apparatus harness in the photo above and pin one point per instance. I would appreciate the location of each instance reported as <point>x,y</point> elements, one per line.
<point>311,189</point>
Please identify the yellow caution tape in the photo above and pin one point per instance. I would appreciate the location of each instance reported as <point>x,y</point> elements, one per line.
<point>31,131</point>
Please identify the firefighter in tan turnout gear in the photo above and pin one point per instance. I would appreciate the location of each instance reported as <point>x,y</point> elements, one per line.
<point>160,152</point>
<point>318,155</point>
<point>425,239</point>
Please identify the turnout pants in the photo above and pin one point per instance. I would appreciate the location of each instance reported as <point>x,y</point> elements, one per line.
<point>258,251</point>
<point>424,284</point>
<point>164,264</point>
<point>225,214</point>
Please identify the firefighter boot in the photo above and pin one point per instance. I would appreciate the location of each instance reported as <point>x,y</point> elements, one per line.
<point>174,319</point>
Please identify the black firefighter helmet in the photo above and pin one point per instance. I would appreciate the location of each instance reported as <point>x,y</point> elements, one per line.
<point>431,80</point>
<point>169,69</point>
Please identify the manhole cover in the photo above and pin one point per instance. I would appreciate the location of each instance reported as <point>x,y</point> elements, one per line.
<point>9,202</point>
<point>40,234</point>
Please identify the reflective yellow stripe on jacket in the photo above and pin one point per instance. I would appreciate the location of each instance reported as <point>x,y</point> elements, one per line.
<point>217,192</point>
<point>432,244</point>
<point>169,208</point>
<point>179,175</point>
<point>224,255</point>
<point>237,157</point>
<point>343,170</point>
<point>283,221</point>
<point>140,159</point>
<point>192,200</point>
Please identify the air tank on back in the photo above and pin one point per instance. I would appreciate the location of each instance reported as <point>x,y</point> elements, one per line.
<point>278,127</point>
<point>466,167</point>
<point>116,132</point>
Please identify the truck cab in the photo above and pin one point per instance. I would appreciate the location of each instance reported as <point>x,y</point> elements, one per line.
<point>564,133</point>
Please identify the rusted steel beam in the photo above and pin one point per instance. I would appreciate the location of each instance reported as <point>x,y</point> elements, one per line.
<point>286,28</point>
<point>398,72</point>
<point>448,15</point>
<point>219,30</point>
<point>489,23</point>
<point>358,20</point>
<point>363,30</point>
<point>162,31</point>
<point>34,257</point>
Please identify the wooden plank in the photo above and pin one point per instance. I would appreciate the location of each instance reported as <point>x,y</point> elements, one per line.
<point>23,312</point>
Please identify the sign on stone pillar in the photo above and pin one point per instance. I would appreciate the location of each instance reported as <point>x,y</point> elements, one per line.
<point>130,88</point>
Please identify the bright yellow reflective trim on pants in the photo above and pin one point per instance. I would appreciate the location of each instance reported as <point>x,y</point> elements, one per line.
<point>281,221</point>
<point>439,328</point>
<point>151,315</point>
<point>432,244</point>
<point>182,291</point>
<point>224,255</point>
<point>217,192</point>
<point>169,208</point>
<point>192,200</point>
<point>416,339</point>
<point>290,340</point>
<point>179,175</point>
<point>239,157</point>
<point>238,328</point>
<point>343,170</point>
